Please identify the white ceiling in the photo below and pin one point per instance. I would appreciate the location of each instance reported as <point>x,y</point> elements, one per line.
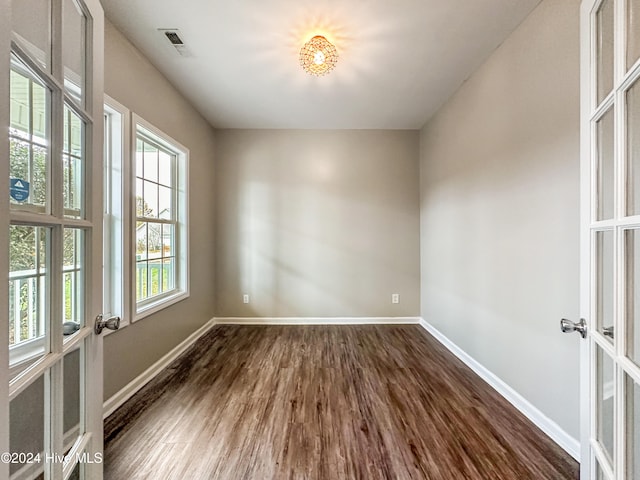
<point>399,59</point>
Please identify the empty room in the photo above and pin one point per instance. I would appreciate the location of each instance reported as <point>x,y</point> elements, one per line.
<point>333,240</point>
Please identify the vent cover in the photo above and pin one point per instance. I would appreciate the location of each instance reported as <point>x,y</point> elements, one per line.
<point>175,39</point>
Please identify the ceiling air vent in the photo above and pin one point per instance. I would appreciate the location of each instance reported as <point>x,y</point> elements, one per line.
<point>173,35</point>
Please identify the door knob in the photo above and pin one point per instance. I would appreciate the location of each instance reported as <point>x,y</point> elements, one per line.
<point>567,326</point>
<point>112,323</point>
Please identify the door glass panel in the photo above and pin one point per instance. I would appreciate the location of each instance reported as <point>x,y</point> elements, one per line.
<point>605,392</point>
<point>633,149</point>
<point>599,473</point>
<point>71,408</point>
<point>633,428</point>
<point>604,283</point>
<point>632,293</point>
<point>73,278</point>
<point>73,49</point>
<point>604,49</point>
<point>605,172</point>
<point>28,139</point>
<point>26,430</point>
<point>633,27</point>
<point>31,21</point>
<point>78,473</point>
<point>28,286</point>
<point>72,160</point>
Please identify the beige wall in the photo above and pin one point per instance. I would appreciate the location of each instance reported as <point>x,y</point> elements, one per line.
<point>133,81</point>
<point>500,212</point>
<point>317,223</point>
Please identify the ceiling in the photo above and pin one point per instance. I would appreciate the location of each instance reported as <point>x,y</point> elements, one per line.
<point>399,60</point>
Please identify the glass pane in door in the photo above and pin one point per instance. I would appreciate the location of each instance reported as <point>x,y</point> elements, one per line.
<point>633,27</point>
<point>74,39</point>
<point>31,21</point>
<point>604,283</point>
<point>632,428</point>
<point>73,280</point>
<point>605,400</point>
<point>26,430</point>
<point>28,139</point>
<point>633,150</point>
<point>604,49</point>
<point>28,292</point>
<point>632,293</point>
<point>599,473</point>
<point>605,167</point>
<point>72,162</point>
<point>77,473</point>
<point>72,398</point>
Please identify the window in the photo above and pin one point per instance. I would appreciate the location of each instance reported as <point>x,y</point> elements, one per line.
<point>145,227</point>
<point>160,228</point>
<point>116,279</point>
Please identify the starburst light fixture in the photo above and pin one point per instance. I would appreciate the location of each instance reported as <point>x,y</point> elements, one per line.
<point>318,56</point>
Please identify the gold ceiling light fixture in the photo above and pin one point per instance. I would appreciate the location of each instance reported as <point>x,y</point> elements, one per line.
<point>318,56</point>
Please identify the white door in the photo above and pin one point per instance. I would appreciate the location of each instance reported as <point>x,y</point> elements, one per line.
<point>610,238</point>
<point>51,54</point>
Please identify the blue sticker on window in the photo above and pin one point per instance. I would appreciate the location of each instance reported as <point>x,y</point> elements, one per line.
<point>19,189</point>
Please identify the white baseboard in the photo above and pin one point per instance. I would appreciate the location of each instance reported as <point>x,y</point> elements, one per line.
<point>141,380</point>
<point>544,423</point>
<point>316,320</point>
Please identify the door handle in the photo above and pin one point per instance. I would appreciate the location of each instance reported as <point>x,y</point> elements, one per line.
<point>567,326</point>
<point>112,323</point>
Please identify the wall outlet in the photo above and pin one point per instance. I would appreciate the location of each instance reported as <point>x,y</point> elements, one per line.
<point>395,298</point>
<point>245,298</point>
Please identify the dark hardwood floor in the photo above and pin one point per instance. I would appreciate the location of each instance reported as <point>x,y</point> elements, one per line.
<point>324,402</point>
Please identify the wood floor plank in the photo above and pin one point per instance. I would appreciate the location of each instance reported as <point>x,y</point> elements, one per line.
<point>324,402</point>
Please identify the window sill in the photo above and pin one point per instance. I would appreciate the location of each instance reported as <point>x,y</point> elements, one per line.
<point>161,304</point>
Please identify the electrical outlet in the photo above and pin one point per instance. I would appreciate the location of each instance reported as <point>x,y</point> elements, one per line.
<point>245,298</point>
<point>395,298</point>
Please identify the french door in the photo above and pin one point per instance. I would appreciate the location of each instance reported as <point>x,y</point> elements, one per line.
<point>610,238</point>
<point>51,238</point>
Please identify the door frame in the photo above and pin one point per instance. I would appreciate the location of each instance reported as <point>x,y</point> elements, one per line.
<point>89,445</point>
<point>623,78</point>
<point>5,49</point>
<point>586,62</point>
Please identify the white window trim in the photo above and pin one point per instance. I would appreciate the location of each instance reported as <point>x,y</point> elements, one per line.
<point>182,250</point>
<point>117,266</point>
